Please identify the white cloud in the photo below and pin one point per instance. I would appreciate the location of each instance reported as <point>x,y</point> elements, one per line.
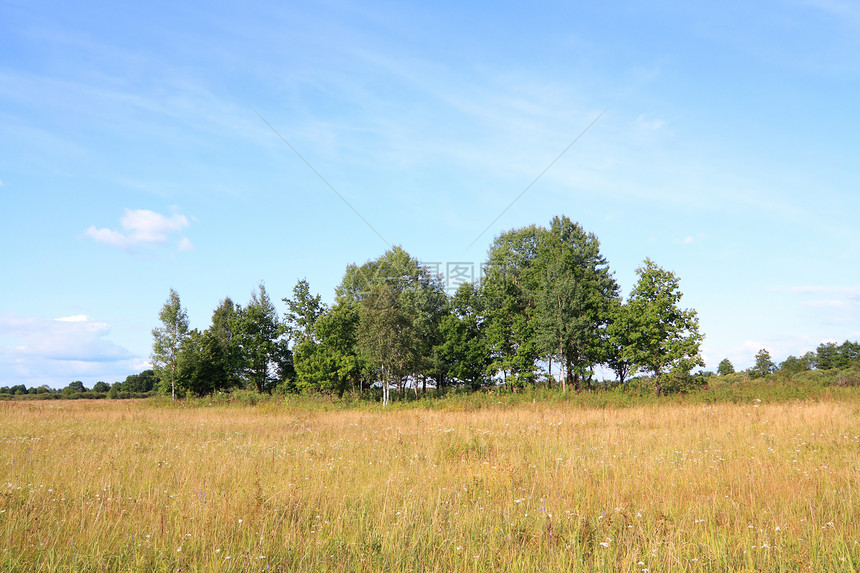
<point>851,293</point>
<point>185,244</point>
<point>142,228</point>
<point>73,318</point>
<point>55,351</point>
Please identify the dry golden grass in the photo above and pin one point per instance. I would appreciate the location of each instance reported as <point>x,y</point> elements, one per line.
<point>115,486</point>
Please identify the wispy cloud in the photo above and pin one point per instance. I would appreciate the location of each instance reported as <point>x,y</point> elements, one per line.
<point>833,305</point>
<point>143,228</point>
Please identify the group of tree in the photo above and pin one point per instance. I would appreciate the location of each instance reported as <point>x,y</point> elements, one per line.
<point>135,385</point>
<point>548,301</point>
<point>244,346</point>
<point>827,356</point>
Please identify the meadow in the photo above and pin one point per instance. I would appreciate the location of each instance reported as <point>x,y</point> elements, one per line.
<point>143,486</point>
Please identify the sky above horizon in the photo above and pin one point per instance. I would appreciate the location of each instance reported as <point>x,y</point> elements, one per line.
<point>207,147</point>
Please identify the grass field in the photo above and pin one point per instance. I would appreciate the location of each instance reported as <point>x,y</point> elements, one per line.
<point>129,486</point>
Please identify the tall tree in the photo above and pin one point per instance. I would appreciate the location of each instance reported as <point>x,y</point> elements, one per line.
<point>763,364</point>
<point>549,294</point>
<point>396,278</point>
<point>168,339</point>
<point>225,346</point>
<point>385,335</point>
<point>303,312</point>
<point>665,336</point>
<point>508,288</point>
<point>576,294</point>
<point>264,351</point>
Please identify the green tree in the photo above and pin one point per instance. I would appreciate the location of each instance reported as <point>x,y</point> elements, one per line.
<point>618,354</point>
<point>168,340</point>
<point>665,337</point>
<point>850,353</point>
<point>101,387</point>
<point>463,350</point>
<point>264,350</point>
<point>576,293</point>
<point>793,365</point>
<point>303,312</point>
<point>203,367</point>
<point>140,383</point>
<point>418,297</point>
<point>725,367</point>
<point>549,293</point>
<point>509,286</point>
<point>225,347</point>
<point>324,345</point>
<point>763,364</point>
<point>385,335</point>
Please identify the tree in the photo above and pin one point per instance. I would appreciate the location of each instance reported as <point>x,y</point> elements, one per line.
<point>168,340</point>
<point>139,383</point>
<point>618,353</point>
<point>463,351</point>
<point>549,294</point>
<point>101,387</point>
<point>385,335</point>
<point>417,299</point>
<point>725,367</point>
<point>664,336</point>
<point>576,292</point>
<point>224,346</point>
<point>304,311</point>
<point>265,356</point>
<point>508,289</point>
<point>793,365</point>
<point>203,367</point>
<point>324,353</point>
<point>763,365</point>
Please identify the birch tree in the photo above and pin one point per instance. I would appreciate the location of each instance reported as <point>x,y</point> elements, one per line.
<point>168,340</point>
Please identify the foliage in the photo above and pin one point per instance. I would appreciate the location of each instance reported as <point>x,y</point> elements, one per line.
<point>618,343</point>
<point>575,296</point>
<point>464,350</point>
<point>763,365</point>
<point>143,382</point>
<point>168,339</point>
<point>725,367</point>
<point>664,336</point>
<point>101,387</point>
<point>263,351</point>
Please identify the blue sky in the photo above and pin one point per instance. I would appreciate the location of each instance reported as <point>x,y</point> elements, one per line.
<point>133,157</point>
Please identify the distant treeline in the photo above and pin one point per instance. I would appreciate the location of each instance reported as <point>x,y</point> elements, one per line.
<point>135,386</point>
<point>826,357</point>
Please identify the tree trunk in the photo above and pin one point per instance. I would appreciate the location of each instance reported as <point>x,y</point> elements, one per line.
<point>549,383</point>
